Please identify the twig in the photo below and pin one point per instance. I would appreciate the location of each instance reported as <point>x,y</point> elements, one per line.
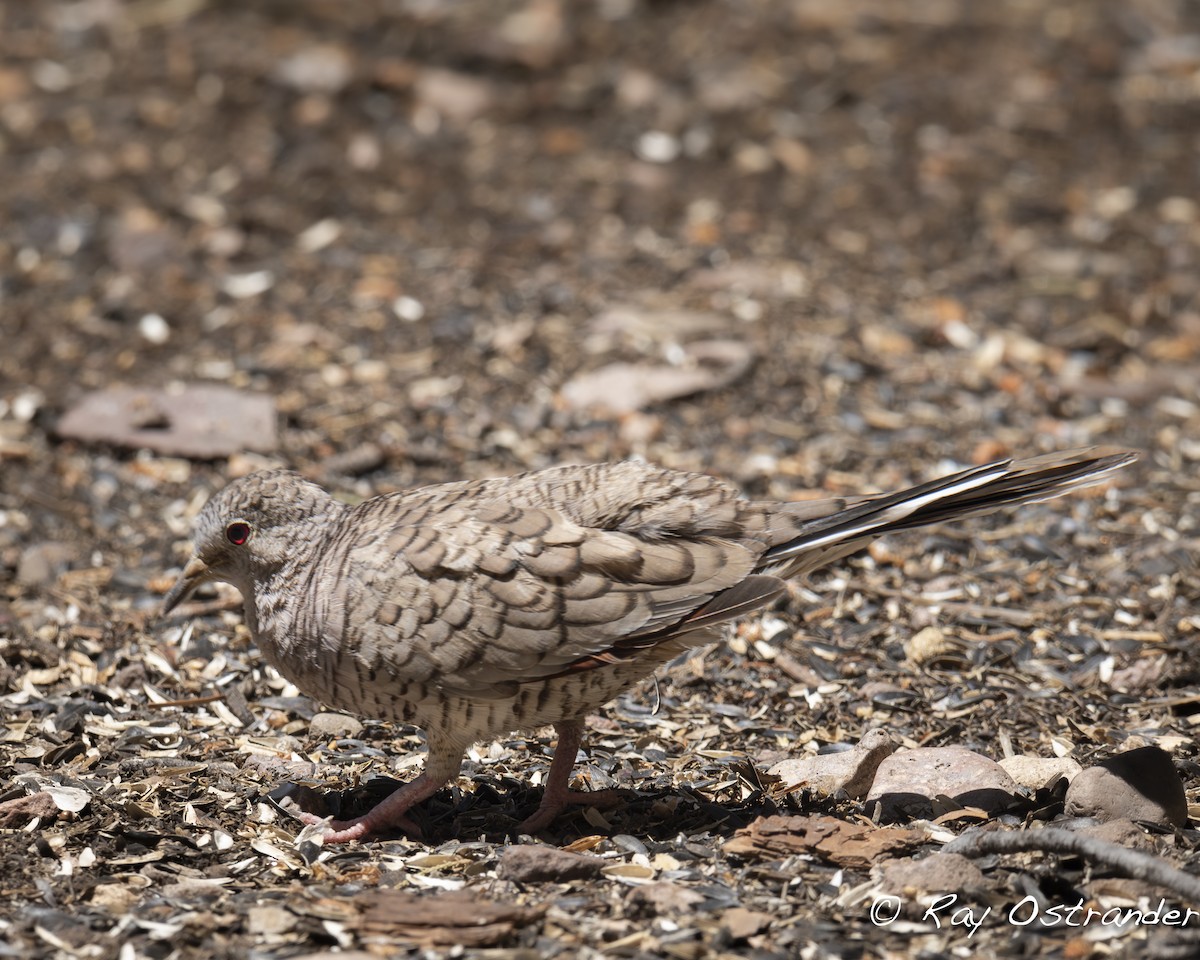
<point>204,608</point>
<point>1131,863</point>
<point>191,701</point>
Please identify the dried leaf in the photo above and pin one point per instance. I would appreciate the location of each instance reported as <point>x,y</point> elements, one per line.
<point>848,845</point>
<point>622,388</point>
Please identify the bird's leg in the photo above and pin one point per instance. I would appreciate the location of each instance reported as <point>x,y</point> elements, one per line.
<point>557,794</point>
<point>391,813</point>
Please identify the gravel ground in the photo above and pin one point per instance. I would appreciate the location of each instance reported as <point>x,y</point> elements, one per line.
<point>810,246</point>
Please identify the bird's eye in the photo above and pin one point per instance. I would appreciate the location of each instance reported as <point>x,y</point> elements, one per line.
<point>237,532</point>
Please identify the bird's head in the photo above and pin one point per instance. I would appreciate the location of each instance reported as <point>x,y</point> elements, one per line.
<point>250,529</point>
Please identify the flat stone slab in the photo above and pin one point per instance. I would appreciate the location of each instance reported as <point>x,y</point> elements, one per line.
<point>199,420</point>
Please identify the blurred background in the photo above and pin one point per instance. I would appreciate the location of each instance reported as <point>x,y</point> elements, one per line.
<point>782,241</point>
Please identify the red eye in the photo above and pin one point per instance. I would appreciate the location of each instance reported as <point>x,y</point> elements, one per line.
<point>237,532</point>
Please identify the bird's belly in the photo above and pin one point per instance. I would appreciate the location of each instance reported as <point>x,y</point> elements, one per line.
<point>469,719</point>
<point>343,677</point>
<point>346,684</point>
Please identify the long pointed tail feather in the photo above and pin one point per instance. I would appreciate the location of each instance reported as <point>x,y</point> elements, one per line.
<point>974,492</point>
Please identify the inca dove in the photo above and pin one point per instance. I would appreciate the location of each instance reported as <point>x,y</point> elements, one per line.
<point>476,608</point>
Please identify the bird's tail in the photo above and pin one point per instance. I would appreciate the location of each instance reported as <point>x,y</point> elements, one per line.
<point>818,540</point>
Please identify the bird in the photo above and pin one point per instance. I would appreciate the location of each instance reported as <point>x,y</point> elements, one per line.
<point>476,608</point>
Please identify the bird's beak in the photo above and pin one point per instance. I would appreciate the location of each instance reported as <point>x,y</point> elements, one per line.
<point>194,574</point>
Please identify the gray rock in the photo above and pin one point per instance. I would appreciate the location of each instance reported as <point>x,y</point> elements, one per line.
<point>41,564</point>
<point>1140,784</point>
<point>663,898</point>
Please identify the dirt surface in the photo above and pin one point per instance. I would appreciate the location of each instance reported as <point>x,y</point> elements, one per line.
<point>819,245</point>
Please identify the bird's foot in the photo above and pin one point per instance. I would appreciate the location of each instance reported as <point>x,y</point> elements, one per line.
<point>555,801</point>
<point>360,828</point>
<point>387,817</point>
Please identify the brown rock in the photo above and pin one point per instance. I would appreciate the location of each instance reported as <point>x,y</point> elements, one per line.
<point>940,873</point>
<point>1038,772</point>
<point>334,725</point>
<point>1122,832</point>
<point>908,781</point>
<point>851,845</point>
<point>443,920</point>
<point>41,564</point>
<point>16,813</point>
<point>535,863</point>
<point>742,923</point>
<point>851,770</point>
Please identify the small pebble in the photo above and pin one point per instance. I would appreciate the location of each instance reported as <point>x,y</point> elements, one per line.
<point>655,146</point>
<point>154,329</point>
<point>334,725</point>
<point>407,308</point>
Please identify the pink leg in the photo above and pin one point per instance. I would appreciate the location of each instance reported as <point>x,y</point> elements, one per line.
<point>391,813</point>
<point>557,795</point>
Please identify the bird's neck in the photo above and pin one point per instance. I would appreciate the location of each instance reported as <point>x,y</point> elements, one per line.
<point>269,613</point>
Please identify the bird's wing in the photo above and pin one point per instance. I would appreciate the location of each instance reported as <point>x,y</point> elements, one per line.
<point>484,585</point>
<point>480,595</point>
